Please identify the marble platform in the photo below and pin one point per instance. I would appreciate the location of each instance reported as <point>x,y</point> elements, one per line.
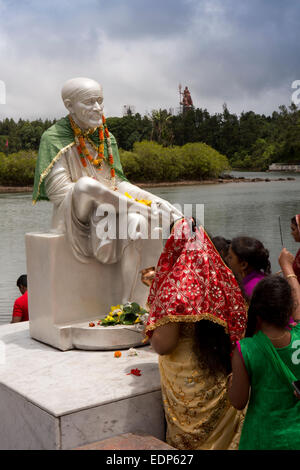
<point>51,399</point>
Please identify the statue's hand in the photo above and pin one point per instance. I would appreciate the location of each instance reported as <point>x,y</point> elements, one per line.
<point>157,205</point>
<point>166,207</point>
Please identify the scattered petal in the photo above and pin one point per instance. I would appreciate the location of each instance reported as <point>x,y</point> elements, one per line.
<point>136,372</point>
<point>132,352</point>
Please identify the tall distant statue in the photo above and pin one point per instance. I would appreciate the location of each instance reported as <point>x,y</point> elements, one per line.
<point>79,171</point>
<point>187,99</point>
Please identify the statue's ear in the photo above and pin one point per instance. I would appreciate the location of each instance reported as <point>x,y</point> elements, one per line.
<point>68,105</point>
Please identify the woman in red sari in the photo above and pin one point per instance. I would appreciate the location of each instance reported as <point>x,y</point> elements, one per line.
<point>197,313</point>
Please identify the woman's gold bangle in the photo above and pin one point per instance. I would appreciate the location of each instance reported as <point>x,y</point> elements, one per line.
<point>291,275</point>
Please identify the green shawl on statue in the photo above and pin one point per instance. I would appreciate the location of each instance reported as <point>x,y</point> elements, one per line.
<point>57,139</point>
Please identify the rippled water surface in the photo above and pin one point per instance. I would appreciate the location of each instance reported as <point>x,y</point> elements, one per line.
<point>230,209</point>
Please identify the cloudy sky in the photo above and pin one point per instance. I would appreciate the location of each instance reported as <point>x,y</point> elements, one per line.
<point>242,52</point>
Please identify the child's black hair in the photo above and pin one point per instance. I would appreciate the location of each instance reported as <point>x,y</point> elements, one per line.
<point>22,281</point>
<point>272,301</point>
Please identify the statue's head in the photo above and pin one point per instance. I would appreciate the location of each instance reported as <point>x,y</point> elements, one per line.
<point>83,99</point>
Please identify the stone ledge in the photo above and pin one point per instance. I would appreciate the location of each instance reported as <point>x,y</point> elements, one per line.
<point>128,441</point>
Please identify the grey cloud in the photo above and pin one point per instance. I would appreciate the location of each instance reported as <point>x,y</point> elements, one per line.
<point>72,27</point>
<point>241,52</point>
<point>244,49</point>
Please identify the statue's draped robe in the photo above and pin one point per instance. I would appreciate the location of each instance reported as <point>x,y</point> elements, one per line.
<point>58,169</point>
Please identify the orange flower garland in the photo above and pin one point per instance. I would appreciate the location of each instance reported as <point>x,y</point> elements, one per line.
<point>84,153</point>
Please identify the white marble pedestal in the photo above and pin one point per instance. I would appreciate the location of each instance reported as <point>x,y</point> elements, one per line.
<point>64,294</point>
<point>51,399</point>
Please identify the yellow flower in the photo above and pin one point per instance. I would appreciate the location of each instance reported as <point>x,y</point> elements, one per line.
<point>141,201</point>
<point>115,313</point>
<point>115,310</point>
<point>137,320</point>
<point>109,318</point>
<point>115,307</point>
<point>144,201</point>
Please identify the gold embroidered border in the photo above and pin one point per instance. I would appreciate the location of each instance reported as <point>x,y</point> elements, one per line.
<point>187,319</point>
<point>45,173</point>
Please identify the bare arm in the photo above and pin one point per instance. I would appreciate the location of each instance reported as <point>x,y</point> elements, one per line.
<point>286,263</point>
<point>239,385</point>
<point>165,338</point>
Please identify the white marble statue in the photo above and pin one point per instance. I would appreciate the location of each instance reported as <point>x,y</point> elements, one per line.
<point>83,180</point>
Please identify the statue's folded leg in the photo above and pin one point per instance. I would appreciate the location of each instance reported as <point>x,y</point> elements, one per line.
<point>131,261</point>
<point>85,191</point>
<point>88,193</point>
<point>130,268</point>
<point>127,251</point>
<point>88,197</point>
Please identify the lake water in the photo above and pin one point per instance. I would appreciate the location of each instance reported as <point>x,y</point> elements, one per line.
<point>230,209</point>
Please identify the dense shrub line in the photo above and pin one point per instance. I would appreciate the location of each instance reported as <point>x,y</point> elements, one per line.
<point>249,140</point>
<point>148,162</point>
<point>17,169</point>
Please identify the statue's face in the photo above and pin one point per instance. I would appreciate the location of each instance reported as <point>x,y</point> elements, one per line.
<point>87,108</point>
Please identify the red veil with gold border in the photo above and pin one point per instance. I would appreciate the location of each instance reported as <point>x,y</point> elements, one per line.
<point>192,283</point>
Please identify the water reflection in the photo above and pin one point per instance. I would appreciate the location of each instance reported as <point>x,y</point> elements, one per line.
<point>18,217</point>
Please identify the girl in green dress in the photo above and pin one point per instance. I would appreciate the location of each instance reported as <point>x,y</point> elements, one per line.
<point>267,361</point>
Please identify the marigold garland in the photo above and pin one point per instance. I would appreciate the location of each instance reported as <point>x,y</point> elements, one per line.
<point>83,152</point>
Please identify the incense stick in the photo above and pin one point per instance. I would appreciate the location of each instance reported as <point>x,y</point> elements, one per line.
<point>280,232</point>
